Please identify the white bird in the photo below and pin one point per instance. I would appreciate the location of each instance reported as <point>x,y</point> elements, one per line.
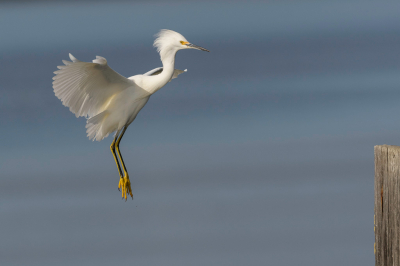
<point>111,102</point>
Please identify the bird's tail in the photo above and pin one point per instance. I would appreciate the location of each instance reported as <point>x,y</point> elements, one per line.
<point>94,126</point>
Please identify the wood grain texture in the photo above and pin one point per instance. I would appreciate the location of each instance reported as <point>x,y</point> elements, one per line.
<point>387,205</point>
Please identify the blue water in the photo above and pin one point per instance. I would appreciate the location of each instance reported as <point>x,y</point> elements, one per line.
<point>261,154</point>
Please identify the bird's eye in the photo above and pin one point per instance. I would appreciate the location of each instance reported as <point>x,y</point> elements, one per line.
<point>184,43</point>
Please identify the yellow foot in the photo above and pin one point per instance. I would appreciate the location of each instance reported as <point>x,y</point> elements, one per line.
<point>125,186</point>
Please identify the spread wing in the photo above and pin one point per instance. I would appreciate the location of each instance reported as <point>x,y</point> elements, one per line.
<point>158,70</point>
<point>86,88</point>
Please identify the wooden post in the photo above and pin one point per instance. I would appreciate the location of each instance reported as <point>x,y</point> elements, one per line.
<point>387,205</point>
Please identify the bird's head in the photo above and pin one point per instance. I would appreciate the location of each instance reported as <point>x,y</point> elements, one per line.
<point>169,40</point>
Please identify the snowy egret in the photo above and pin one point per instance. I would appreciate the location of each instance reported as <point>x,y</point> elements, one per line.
<point>109,101</point>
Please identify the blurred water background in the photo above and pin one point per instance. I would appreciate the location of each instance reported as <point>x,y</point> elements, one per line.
<point>261,154</point>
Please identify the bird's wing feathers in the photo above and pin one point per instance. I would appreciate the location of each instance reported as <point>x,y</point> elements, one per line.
<point>177,72</point>
<point>153,72</point>
<point>86,88</point>
<point>158,70</point>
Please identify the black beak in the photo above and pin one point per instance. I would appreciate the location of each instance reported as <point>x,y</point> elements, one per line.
<point>197,47</point>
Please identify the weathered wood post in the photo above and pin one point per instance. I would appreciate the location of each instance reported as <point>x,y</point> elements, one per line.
<point>387,205</point>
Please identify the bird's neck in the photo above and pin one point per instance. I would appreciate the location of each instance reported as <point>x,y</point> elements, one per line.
<point>158,81</point>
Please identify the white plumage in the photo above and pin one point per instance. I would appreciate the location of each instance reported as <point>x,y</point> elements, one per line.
<point>111,102</point>
<point>102,95</point>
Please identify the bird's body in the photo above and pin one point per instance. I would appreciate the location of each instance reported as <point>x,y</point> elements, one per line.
<point>111,102</point>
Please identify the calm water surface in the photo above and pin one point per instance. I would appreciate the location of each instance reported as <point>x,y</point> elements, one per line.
<point>261,154</point>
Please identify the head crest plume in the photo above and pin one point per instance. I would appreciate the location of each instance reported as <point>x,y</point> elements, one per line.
<point>167,39</point>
